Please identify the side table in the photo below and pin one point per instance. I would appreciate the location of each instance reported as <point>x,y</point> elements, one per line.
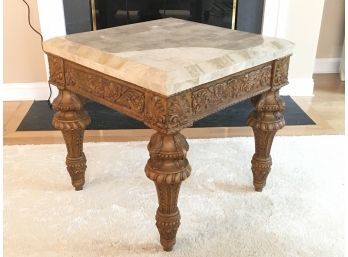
<point>168,73</point>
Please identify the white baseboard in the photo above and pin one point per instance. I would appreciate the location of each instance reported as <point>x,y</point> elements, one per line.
<point>327,65</point>
<point>27,91</point>
<point>299,87</point>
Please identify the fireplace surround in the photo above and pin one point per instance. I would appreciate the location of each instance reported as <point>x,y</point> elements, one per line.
<point>86,15</point>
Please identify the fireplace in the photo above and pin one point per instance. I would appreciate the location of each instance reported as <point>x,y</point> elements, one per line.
<point>110,13</point>
<point>85,15</point>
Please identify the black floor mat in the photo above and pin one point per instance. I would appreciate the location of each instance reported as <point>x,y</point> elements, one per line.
<point>39,117</point>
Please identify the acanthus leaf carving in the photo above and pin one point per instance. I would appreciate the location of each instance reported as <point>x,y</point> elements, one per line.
<point>168,115</point>
<point>156,110</point>
<point>280,73</point>
<point>56,69</point>
<point>179,112</point>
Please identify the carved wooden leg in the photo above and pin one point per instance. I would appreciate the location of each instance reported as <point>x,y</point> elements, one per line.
<point>72,120</point>
<point>167,167</point>
<point>266,120</point>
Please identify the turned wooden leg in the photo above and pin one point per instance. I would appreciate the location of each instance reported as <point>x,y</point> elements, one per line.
<point>72,120</point>
<point>167,167</point>
<point>266,120</point>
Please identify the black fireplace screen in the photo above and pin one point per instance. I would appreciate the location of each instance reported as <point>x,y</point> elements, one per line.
<point>110,13</point>
<point>84,15</point>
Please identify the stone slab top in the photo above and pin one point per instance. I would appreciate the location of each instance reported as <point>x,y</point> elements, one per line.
<point>168,55</point>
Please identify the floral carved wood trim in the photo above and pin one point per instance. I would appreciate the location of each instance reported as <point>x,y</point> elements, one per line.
<point>167,114</point>
<point>56,67</point>
<point>211,97</point>
<point>116,93</point>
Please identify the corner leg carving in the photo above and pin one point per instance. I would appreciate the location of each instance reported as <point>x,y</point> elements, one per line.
<point>167,167</point>
<point>266,120</point>
<point>72,120</point>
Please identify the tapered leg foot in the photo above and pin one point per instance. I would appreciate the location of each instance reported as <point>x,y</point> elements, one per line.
<point>260,168</point>
<point>72,120</point>
<point>168,167</point>
<point>168,221</point>
<point>76,168</point>
<point>266,120</point>
<point>260,174</point>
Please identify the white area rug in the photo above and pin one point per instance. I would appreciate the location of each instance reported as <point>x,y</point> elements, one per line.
<point>299,213</point>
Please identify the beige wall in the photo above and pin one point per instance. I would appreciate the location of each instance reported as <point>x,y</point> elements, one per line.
<point>23,57</point>
<point>302,27</point>
<point>332,30</point>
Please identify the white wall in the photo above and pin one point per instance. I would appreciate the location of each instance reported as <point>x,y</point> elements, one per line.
<point>51,14</point>
<point>298,21</point>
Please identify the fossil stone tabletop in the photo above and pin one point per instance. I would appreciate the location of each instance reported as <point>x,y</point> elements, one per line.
<point>169,55</point>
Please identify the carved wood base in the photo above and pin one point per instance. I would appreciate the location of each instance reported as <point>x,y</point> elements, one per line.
<point>167,167</point>
<point>266,120</point>
<point>71,119</point>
